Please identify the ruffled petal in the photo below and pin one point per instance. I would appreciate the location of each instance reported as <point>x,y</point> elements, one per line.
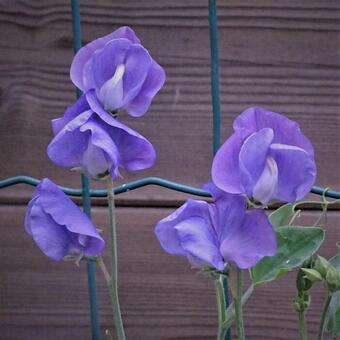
<point>198,239</point>
<point>225,170</point>
<point>152,84</point>
<point>249,242</point>
<point>27,222</point>
<point>136,152</point>
<point>104,63</point>
<point>67,148</point>
<point>286,131</point>
<point>296,172</point>
<point>137,65</point>
<point>51,238</point>
<point>66,213</point>
<point>102,154</point>
<point>252,157</point>
<point>229,210</point>
<point>165,229</point>
<point>80,106</point>
<point>87,52</point>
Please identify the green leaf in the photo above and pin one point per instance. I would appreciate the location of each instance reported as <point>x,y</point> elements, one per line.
<point>281,216</point>
<point>294,246</point>
<point>333,316</point>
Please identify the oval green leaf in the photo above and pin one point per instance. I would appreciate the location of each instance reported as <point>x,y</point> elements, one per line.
<point>294,246</point>
<point>281,216</point>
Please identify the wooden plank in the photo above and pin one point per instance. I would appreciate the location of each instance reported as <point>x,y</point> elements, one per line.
<point>283,55</point>
<point>161,297</point>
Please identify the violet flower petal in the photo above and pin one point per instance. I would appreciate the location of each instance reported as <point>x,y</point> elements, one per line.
<point>93,144</point>
<point>225,168</point>
<point>286,131</point>
<point>198,239</point>
<point>252,157</point>
<point>102,153</point>
<point>120,71</point>
<point>165,229</point>
<point>80,106</point>
<point>68,146</point>
<point>249,242</point>
<point>52,239</point>
<point>152,84</point>
<point>296,172</point>
<point>246,162</point>
<point>87,52</point>
<point>58,226</point>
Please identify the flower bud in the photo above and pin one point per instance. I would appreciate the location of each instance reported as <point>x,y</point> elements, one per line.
<point>333,279</point>
<point>321,265</point>
<point>302,282</point>
<point>312,274</point>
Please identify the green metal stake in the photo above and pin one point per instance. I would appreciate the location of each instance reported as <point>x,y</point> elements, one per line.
<point>215,96</point>
<point>214,71</point>
<point>91,266</point>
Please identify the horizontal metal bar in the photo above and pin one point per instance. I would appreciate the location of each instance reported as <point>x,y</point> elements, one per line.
<point>138,184</point>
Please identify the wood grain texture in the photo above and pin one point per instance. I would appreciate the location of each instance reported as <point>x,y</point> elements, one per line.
<point>283,55</point>
<point>161,297</point>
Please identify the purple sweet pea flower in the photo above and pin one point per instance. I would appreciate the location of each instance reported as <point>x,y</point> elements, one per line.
<point>267,157</point>
<point>120,70</point>
<point>215,234</point>
<point>58,226</point>
<point>89,138</point>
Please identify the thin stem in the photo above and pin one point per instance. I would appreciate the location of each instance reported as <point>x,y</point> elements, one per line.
<point>113,286</point>
<point>238,305</point>
<point>221,306</point>
<point>103,268</point>
<point>302,326</point>
<point>226,333</point>
<point>323,315</point>
<point>230,313</point>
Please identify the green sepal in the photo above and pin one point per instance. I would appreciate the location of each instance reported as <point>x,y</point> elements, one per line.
<point>312,274</point>
<point>321,265</point>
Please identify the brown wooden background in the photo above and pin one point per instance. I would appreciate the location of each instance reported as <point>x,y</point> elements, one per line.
<point>280,54</point>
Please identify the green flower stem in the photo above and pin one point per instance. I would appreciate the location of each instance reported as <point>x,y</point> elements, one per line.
<point>323,315</point>
<point>238,305</point>
<point>113,284</point>
<point>302,326</point>
<point>230,313</point>
<point>221,306</point>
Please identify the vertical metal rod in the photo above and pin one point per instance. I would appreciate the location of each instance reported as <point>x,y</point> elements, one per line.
<point>214,70</point>
<point>91,266</point>
<point>215,95</point>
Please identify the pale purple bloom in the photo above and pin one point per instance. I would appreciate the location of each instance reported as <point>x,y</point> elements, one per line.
<point>120,70</point>
<point>58,226</point>
<point>267,157</point>
<point>89,138</point>
<point>215,234</point>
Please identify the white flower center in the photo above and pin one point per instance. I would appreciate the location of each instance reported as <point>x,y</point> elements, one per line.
<point>111,93</point>
<point>266,186</point>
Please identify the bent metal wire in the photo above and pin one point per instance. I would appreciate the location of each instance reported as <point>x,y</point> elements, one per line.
<point>85,192</point>
<point>139,184</point>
